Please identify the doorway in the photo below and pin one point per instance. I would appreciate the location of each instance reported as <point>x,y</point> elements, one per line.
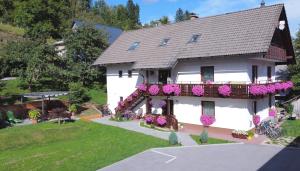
<point>163,76</point>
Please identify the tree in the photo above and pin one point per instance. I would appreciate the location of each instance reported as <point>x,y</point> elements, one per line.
<point>294,70</point>
<point>6,8</point>
<point>42,19</point>
<point>179,15</point>
<point>133,14</point>
<point>187,15</point>
<point>84,47</point>
<point>164,20</point>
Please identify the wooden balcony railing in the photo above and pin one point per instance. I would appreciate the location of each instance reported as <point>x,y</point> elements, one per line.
<point>276,53</point>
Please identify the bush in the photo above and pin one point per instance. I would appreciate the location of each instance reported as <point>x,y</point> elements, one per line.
<point>289,108</point>
<point>78,93</point>
<point>173,140</point>
<point>204,137</point>
<point>74,108</point>
<point>34,114</point>
<point>250,133</point>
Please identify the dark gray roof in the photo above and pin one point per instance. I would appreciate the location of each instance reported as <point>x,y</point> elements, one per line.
<point>112,32</point>
<point>244,32</point>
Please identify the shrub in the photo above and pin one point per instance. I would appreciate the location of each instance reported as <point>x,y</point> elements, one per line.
<point>289,108</point>
<point>250,133</point>
<point>34,114</point>
<point>198,91</point>
<point>224,90</point>
<point>161,120</point>
<point>149,119</point>
<point>74,108</point>
<point>207,120</point>
<point>78,93</point>
<point>173,140</point>
<point>154,90</point>
<point>204,137</point>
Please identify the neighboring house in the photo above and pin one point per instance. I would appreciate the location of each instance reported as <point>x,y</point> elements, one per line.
<point>112,34</point>
<point>237,49</point>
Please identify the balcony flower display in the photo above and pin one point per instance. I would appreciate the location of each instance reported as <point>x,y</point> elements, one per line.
<point>142,87</point>
<point>172,88</point>
<point>207,120</point>
<point>272,112</point>
<point>257,90</point>
<point>154,90</point>
<point>161,120</point>
<point>287,85</point>
<point>224,90</point>
<point>162,104</point>
<point>129,98</point>
<point>149,119</point>
<point>290,83</point>
<point>256,120</point>
<point>121,103</point>
<point>208,82</point>
<point>278,86</point>
<point>198,90</point>
<point>271,89</point>
<point>135,94</point>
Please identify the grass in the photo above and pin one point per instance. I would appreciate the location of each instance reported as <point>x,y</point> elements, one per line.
<point>11,29</point>
<point>89,112</point>
<point>71,146</point>
<point>210,140</point>
<point>97,96</point>
<point>290,128</point>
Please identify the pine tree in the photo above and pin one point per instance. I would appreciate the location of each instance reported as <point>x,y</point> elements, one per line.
<point>179,15</point>
<point>294,70</point>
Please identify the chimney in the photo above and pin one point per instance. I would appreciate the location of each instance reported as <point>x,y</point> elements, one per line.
<point>193,16</point>
<point>262,3</point>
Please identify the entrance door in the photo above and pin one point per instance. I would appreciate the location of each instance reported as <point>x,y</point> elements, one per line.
<point>163,76</point>
<point>168,109</point>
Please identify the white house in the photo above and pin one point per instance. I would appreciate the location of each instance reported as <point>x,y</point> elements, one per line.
<point>237,49</point>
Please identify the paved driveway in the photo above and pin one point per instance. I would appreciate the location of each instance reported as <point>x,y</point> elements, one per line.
<point>231,157</point>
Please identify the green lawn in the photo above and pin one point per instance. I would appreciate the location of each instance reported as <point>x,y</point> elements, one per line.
<point>97,95</point>
<point>291,128</point>
<point>71,146</point>
<point>210,140</point>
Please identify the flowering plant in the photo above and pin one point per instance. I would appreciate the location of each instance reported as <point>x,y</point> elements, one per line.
<point>224,90</point>
<point>198,90</point>
<point>121,103</point>
<point>129,98</point>
<point>207,120</point>
<point>135,94</point>
<point>257,90</point>
<point>171,88</point>
<point>154,90</point>
<point>272,112</point>
<point>287,85</point>
<point>208,82</point>
<point>142,87</point>
<point>278,86</point>
<point>256,119</point>
<point>161,120</point>
<point>271,89</point>
<point>149,119</point>
<point>162,103</point>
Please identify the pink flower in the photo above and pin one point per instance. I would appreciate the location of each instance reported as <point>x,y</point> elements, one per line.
<point>121,104</point>
<point>256,120</point>
<point>154,90</point>
<point>257,90</point>
<point>272,112</point>
<point>271,88</point>
<point>198,90</point>
<point>290,83</point>
<point>161,120</point>
<point>172,88</point>
<point>208,82</point>
<point>207,120</point>
<point>142,87</point>
<point>135,94</point>
<point>278,87</point>
<point>129,98</point>
<point>149,119</point>
<point>224,90</point>
<point>177,89</point>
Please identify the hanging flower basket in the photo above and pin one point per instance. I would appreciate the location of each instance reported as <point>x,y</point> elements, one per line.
<point>224,90</point>
<point>142,87</point>
<point>272,112</point>
<point>256,120</point>
<point>154,90</point>
<point>198,90</point>
<point>172,88</point>
<point>258,90</point>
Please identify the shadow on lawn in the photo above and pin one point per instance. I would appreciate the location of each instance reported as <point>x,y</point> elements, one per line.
<point>288,159</point>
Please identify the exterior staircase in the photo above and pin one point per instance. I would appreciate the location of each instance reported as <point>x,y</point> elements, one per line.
<point>131,101</point>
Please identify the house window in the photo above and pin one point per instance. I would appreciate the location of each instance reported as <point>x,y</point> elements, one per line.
<point>269,73</point>
<point>120,74</point>
<point>164,42</point>
<point>254,107</point>
<point>194,38</point>
<point>134,46</point>
<point>254,73</point>
<point>208,108</point>
<point>207,73</point>
<point>129,73</point>
<point>121,98</point>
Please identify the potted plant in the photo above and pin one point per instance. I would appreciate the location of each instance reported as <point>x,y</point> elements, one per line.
<point>250,135</point>
<point>34,115</point>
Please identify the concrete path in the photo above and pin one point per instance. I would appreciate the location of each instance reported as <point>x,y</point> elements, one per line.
<point>183,138</point>
<point>219,157</point>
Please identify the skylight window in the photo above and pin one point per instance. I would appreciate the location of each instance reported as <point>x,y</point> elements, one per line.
<point>134,46</point>
<point>164,42</point>
<point>194,38</point>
